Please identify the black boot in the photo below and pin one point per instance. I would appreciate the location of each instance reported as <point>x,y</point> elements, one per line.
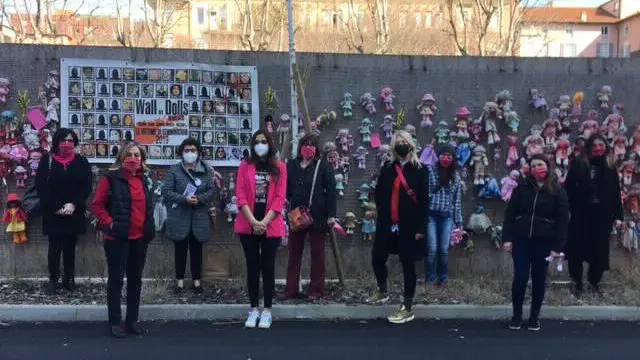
<point>69,284</point>
<point>133,329</point>
<point>52,288</point>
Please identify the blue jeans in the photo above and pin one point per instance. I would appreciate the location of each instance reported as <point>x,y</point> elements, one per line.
<point>438,238</point>
<point>529,258</point>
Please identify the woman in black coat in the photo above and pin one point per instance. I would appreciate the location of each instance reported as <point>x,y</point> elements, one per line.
<point>593,187</point>
<point>402,218</point>
<point>300,173</point>
<point>535,230</point>
<point>63,182</point>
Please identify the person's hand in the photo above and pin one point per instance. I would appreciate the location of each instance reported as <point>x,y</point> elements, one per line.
<point>193,200</point>
<point>419,236</point>
<point>259,227</point>
<point>331,221</point>
<point>555,255</point>
<point>508,247</point>
<point>67,209</point>
<point>617,223</point>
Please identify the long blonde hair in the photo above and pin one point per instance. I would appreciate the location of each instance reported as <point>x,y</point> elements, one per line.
<point>124,150</point>
<point>413,157</point>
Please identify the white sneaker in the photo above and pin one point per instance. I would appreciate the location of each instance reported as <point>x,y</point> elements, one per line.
<point>265,320</point>
<point>252,319</point>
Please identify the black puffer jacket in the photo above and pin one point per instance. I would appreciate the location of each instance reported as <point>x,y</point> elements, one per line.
<point>120,207</point>
<point>536,213</point>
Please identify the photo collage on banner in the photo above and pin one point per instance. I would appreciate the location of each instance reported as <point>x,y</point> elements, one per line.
<point>108,103</point>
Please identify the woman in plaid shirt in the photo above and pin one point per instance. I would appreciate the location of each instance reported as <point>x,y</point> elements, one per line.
<point>445,211</point>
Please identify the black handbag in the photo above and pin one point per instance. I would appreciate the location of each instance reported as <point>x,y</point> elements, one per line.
<point>31,200</point>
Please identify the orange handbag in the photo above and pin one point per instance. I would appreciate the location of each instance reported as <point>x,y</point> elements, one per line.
<point>300,218</point>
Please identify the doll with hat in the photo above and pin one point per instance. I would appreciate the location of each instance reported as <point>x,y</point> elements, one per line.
<point>16,219</point>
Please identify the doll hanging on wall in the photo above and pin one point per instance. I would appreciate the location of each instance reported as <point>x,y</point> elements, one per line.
<point>512,152</point>
<point>368,103</point>
<point>21,176</point>
<point>490,115</point>
<point>604,96</point>
<point>369,222</point>
<point>537,100</point>
<point>509,183</point>
<point>576,110</point>
<point>427,108</point>
<point>339,178</point>
<point>442,133</point>
<point>479,162</point>
<point>361,157</point>
<point>387,126</point>
<point>284,126</point>
<point>347,105</point>
<point>16,219</point>
<point>462,123</point>
<point>563,151</point>
<point>350,222</point>
<point>386,94</point>
<point>365,131</point>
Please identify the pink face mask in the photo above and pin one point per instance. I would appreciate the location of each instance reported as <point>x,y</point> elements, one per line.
<point>308,152</point>
<point>132,164</point>
<point>65,148</point>
<point>540,174</point>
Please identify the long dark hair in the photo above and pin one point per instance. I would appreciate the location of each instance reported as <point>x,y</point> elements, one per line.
<point>59,136</point>
<point>588,148</point>
<point>552,183</point>
<point>446,174</point>
<point>269,159</point>
<point>308,139</point>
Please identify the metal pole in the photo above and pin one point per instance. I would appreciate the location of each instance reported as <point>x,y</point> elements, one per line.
<point>292,80</point>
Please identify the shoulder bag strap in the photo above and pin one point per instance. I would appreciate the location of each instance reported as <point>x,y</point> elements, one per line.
<point>50,167</point>
<point>406,187</point>
<point>313,184</point>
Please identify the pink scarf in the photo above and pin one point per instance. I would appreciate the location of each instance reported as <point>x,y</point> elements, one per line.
<point>64,160</point>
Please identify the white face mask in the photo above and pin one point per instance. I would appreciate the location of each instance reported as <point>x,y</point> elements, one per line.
<point>261,149</point>
<point>190,157</point>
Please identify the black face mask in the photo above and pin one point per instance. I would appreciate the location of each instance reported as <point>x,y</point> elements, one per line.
<point>401,149</point>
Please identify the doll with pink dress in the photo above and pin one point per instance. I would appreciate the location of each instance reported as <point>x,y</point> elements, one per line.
<point>509,183</point>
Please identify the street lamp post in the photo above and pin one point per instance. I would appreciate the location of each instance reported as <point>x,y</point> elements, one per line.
<point>292,80</point>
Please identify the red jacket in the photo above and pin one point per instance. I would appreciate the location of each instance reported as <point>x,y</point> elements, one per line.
<point>246,195</point>
<point>100,204</point>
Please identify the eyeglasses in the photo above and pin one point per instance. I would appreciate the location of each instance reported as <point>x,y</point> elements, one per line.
<point>190,150</point>
<point>262,142</point>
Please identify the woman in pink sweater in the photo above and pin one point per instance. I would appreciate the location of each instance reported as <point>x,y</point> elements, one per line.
<point>260,195</point>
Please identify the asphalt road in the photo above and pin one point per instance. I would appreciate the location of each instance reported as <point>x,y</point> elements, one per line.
<point>350,340</point>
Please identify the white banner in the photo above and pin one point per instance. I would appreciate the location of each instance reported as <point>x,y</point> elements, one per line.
<point>108,103</point>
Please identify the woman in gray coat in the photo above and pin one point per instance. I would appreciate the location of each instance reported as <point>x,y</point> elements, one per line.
<point>188,192</point>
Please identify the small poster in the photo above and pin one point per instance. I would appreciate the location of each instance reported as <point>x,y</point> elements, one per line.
<point>108,103</point>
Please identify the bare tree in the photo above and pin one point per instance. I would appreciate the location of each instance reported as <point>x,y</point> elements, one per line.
<point>125,31</point>
<point>38,20</point>
<point>379,13</point>
<point>261,21</point>
<point>486,27</point>
<point>160,17</point>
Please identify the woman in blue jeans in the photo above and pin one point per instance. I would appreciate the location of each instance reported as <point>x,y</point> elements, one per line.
<point>445,211</point>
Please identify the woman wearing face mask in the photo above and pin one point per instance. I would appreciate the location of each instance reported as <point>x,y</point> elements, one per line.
<point>593,187</point>
<point>260,195</point>
<point>123,208</point>
<point>445,211</point>
<point>188,189</point>
<point>402,201</point>
<point>301,173</point>
<point>63,182</point>
<point>535,229</point>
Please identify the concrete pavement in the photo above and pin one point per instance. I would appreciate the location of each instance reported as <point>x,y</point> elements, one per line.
<point>302,340</point>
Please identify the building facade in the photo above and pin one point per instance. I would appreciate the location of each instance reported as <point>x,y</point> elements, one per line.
<point>610,30</point>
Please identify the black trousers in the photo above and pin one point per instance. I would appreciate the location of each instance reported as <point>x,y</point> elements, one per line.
<point>65,246</point>
<point>576,271</point>
<point>191,245</point>
<point>379,257</point>
<point>529,259</point>
<point>124,256</point>
<point>260,254</point>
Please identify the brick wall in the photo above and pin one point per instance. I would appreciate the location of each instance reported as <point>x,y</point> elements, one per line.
<point>454,81</point>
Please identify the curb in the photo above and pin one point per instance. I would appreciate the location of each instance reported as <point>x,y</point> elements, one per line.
<point>227,312</point>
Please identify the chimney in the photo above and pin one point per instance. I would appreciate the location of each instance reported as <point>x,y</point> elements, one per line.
<point>583,16</point>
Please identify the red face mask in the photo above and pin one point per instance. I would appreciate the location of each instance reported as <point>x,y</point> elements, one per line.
<point>65,148</point>
<point>132,164</point>
<point>540,174</point>
<point>308,152</point>
<point>598,150</point>
<point>445,160</point>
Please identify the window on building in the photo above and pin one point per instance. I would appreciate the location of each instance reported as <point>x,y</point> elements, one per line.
<point>403,19</point>
<point>626,49</point>
<point>168,41</point>
<point>428,19</point>
<point>200,15</point>
<point>225,21</point>
<point>418,19</point>
<point>493,22</point>
<point>604,50</point>
<point>604,31</point>
<point>439,19</point>
<point>568,30</point>
<point>626,30</point>
<point>569,50</point>
<point>327,18</point>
